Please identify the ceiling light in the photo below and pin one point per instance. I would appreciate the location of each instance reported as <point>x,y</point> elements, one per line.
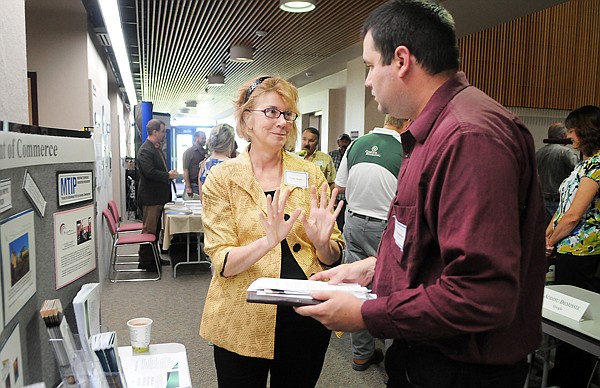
<point>112,20</point>
<point>297,6</point>
<point>240,54</point>
<point>216,80</point>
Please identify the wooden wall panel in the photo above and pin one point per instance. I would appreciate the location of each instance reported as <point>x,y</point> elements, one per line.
<point>549,59</point>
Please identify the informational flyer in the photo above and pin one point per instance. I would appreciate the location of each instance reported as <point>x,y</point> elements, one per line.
<point>74,244</point>
<point>74,187</point>
<point>12,361</point>
<point>5,195</point>
<point>17,237</point>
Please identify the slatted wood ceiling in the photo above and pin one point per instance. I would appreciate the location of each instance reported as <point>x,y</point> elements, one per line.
<point>182,42</point>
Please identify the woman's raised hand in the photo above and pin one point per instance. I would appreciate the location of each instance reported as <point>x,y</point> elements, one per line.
<point>319,224</point>
<point>276,227</point>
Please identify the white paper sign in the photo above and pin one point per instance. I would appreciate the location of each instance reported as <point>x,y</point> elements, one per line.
<point>34,194</point>
<point>564,305</point>
<point>5,195</point>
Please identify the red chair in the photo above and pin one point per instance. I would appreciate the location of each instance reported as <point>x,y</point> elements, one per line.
<point>124,241</point>
<point>121,228</point>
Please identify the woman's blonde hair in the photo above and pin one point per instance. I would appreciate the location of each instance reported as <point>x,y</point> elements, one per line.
<point>221,139</point>
<point>246,98</point>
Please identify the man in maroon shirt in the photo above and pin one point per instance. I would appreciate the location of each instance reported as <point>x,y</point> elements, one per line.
<point>459,274</point>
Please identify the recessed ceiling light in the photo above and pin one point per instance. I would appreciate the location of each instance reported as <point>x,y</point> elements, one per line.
<point>240,54</point>
<point>216,80</point>
<point>297,6</point>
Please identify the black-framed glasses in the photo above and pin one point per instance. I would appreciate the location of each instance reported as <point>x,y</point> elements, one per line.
<point>274,113</point>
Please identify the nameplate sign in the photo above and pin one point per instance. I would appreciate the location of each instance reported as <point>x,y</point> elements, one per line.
<point>564,305</point>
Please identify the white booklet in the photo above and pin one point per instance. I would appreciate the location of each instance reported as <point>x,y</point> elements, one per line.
<point>86,305</point>
<point>294,292</point>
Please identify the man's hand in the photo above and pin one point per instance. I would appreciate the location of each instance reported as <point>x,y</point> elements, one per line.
<point>173,174</point>
<point>340,311</point>
<point>360,272</point>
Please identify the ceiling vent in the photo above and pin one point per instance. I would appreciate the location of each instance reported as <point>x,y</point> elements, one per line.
<point>191,103</point>
<point>103,37</point>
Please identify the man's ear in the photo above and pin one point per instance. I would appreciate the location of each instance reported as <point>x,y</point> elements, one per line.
<point>402,59</point>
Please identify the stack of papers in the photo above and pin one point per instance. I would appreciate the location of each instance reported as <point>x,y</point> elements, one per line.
<point>195,206</point>
<point>292,292</point>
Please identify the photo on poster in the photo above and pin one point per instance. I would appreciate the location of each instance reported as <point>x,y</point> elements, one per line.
<point>75,254</point>
<point>17,241</point>
<point>11,357</point>
<point>19,258</point>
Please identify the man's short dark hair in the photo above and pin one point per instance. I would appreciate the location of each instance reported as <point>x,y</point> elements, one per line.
<point>312,130</point>
<point>424,27</point>
<point>197,135</point>
<point>154,126</point>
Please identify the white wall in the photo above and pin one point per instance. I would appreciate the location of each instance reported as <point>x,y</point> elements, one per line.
<point>13,63</point>
<point>57,52</point>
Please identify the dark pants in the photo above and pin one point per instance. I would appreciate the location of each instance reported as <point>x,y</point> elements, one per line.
<point>151,225</point>
<point>573,366</point>
<point>300,347</point>
<point>426,367</point>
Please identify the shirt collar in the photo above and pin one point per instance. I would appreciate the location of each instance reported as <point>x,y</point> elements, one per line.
<point>156,145</point>
<point>422,125</point>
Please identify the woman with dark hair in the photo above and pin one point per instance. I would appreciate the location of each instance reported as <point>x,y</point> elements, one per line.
<point>264,217</point>
<point>575,232</point>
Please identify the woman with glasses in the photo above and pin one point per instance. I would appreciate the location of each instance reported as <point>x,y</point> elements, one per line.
<point>266,213</point>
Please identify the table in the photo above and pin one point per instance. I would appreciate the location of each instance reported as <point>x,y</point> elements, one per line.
<point>179,218</point>
<point>585,334</point>
<point>165,365</point>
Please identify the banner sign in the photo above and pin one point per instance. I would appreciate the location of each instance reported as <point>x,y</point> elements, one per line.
<point>24,149</point>
<point>74,187</point>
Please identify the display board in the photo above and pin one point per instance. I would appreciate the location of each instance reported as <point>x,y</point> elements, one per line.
<point>28,246</point>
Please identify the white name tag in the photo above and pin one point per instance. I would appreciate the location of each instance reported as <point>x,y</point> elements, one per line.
<point>319,163</point>
<point>295,178</point>
<point>564,305</point>
<point>399,233</point>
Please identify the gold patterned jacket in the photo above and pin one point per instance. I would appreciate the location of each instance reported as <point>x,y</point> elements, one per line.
<point>231,200</point>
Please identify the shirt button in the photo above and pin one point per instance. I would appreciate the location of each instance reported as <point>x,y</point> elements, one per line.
<point>297,247</point>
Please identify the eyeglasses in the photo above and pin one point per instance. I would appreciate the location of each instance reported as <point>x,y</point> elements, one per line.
<point>274,113</point>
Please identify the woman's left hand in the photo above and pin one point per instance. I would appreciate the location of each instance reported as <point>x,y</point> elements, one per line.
<point>319,224</point>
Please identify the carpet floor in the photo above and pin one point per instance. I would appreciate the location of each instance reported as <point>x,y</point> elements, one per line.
<point>176,304</point>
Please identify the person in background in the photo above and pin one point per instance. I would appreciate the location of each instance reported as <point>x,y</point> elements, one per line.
<point>192,157</point>
<point>343,142</point>
<point>372,161</point>
<point>459,273</point>
<point>220,144</point>
<point>266,213</point>
<point>554,163</point>
<point>310,142</point>
<point>575,232</point>
<point>154,189</point>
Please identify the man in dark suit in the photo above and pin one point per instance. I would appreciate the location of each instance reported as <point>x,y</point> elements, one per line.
<point>154,188</point>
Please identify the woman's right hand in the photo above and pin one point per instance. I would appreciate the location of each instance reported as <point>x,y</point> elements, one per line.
<point>276,227</point>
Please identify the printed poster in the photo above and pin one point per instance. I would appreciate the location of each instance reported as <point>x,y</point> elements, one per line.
<point>12,361</point>
<point>75,254</point>
<point>17,237</point>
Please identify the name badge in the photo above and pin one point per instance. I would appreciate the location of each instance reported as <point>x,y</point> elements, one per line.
<point>564,304</point>
<point>399,233</point>
<point>319,163</point>
<point>296,178</point>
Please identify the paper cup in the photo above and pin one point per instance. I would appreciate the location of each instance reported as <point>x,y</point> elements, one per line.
<point>139,333</point>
